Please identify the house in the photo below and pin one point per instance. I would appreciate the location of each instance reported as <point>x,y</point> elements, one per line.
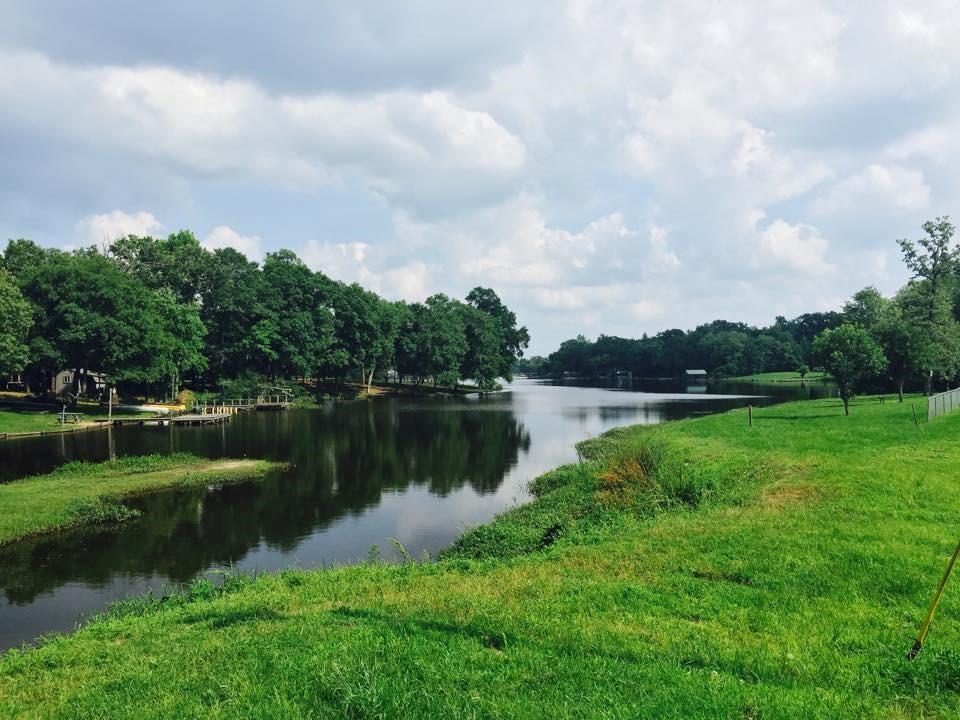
<point>14,383</point>
<point>697,376</point>
<point>92,383</point>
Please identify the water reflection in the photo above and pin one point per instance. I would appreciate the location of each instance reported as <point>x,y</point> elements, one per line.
<point>342,462</point>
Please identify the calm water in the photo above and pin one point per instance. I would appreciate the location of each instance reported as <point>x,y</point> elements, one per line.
<point>418,470</point>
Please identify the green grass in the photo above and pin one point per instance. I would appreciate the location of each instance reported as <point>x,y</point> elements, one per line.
<point>699,569</point>
<point>84,493</point>
<point>27,421</point>
<point>783,376</point>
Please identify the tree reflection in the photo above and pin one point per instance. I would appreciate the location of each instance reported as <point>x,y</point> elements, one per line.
<point>343,459</point>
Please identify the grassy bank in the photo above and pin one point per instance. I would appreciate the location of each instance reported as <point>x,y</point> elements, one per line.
<point>783,376</point>
<point>699,569</point>
<point>30,421</point>
<point>779,377</point>
<point>83,493</point>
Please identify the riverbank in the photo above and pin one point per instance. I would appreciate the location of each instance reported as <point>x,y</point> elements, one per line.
<point>788,376</point>
<point>22,422</point>
<point>700,568</point>
<point>90,493</point>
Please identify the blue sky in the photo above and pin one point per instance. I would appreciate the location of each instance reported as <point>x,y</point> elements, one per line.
<point>606,167</point>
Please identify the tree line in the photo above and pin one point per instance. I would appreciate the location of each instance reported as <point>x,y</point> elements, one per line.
<point>912,338</point>
<point>156,313</point>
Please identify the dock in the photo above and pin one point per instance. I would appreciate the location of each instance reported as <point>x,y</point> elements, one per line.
<point>195,419</point>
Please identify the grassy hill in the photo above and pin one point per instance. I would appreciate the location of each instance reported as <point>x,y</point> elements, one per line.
<point>696,569</point>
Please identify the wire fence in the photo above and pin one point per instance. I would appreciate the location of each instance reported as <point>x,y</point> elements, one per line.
<point>943,403</point>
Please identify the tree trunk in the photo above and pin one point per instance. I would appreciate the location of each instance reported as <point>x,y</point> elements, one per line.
<point>370,379</point>
<point>929,383</point>
<point>900,390</point>
<point>846,405</point>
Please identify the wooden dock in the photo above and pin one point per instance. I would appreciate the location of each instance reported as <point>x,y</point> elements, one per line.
<point>196,419</point>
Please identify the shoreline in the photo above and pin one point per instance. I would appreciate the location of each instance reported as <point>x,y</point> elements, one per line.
<point>80,494</point>
<point>649,579</point>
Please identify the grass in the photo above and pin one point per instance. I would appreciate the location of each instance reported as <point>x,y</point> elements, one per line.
<point>29,421</point>
<point>699,569</point>
<point>88,493</point>
<point>783,376</point>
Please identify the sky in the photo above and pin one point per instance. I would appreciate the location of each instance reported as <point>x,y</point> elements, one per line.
<point>606,167</point>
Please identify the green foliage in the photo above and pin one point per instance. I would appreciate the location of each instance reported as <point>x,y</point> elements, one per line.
<point>99,511</point>
<point>934,257</point>
<point>15,321</point>
<point>851,355</point>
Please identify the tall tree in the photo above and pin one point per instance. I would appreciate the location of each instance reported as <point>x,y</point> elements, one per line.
<point>15,321</point>
<point>933,257</point>
<point>304,324</point>
<point>902,344</point>
<point>851,356</point>
<point>482,359</point>
<point>89,315</point>
<point>241,329</point>
<point>513,339</point>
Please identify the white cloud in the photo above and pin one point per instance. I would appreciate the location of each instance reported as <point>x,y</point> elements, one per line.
<point>103,229</point>
<point>224,236</point>
<point>351,262</point>
<point>223,127</point>
<point>781,246</point>
<point>877,188</point>
<point>596,171</point>
<point>660,252</point>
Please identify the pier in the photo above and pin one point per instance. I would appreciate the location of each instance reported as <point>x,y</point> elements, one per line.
<point>191,419</point>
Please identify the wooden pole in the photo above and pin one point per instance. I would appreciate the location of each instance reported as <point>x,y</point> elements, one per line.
<point>922,635</point>
<point>750,415</point>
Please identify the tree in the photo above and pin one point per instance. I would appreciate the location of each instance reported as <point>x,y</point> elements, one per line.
<point>177,262</point>
<point>932,257</point>
<point>934,328</point>
<point>481,362</point>
<point>241,329</point>
<point>866,308</point>
<point>15,321</point>
<point>513,340</point>
<point>357,326</point>
<point>446,343</point>
<point>89,315</point>
<point>902,344</point>
<point>297,303</point>
<point>174,345</point>
<point>851,356</point>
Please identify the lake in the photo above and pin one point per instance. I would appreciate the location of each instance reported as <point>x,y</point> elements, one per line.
<point>417,470</point>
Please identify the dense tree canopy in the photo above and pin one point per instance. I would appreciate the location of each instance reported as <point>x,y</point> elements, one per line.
<point>153,312</point>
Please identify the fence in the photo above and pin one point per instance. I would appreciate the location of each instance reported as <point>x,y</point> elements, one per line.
<point>943,403</point>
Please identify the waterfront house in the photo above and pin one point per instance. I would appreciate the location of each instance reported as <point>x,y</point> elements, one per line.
<point>91,383</point>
